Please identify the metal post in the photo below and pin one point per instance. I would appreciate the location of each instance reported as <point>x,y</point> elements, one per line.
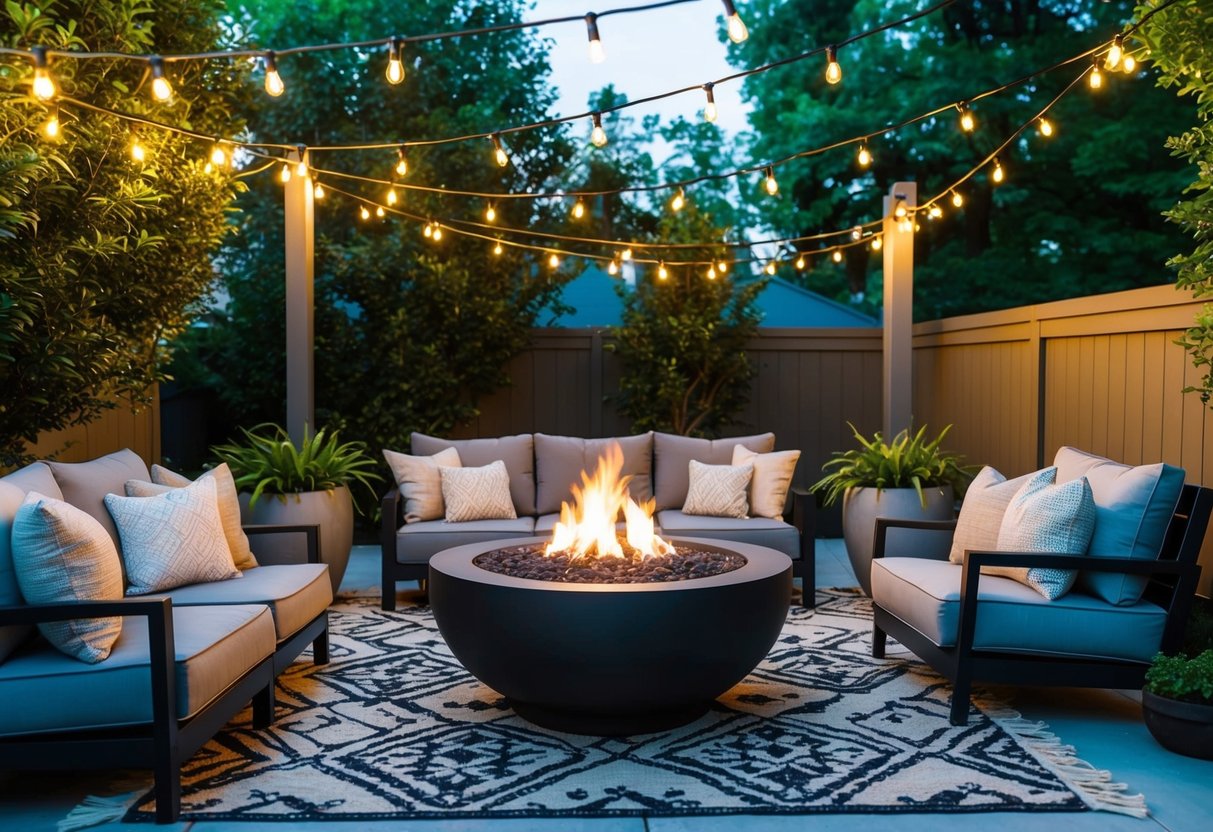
<point>300,340</point>
<point>898,309</point>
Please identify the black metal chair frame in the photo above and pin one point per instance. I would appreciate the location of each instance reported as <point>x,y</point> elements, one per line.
<point>1172,586</point>
<point>316,632</point>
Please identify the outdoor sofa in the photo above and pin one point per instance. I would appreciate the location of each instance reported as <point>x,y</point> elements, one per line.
<point>542,471</point>
<point>184,663</point>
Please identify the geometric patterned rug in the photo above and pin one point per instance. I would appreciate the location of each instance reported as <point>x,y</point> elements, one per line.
<point>395,728</point>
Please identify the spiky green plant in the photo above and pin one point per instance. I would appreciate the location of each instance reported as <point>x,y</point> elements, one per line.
<point>906,462</point>
<point>267,462</point>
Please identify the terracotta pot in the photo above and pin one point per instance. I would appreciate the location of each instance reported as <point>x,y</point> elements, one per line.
<point>861,507</point>
<point>1183,727</point>
<point>332,510</point>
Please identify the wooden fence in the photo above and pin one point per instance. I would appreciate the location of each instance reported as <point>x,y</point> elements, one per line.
<point>113,430</point>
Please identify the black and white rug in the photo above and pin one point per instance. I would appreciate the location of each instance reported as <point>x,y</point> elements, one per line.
<point>395,728</point>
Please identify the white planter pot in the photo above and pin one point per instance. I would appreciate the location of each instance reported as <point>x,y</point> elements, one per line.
<point>861,507</point>
<point>332,510</point>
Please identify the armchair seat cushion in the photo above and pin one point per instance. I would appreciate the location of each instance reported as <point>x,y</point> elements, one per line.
<point>214,647</point>
<point>1012,617</point>
<point>295,593</point>
<point>417,542</point>
<point>760,531</point>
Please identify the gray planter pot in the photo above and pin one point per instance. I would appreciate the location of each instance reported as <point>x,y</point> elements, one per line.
<point>861,507</point>
<point>1183,727</point>
<point>332,510</point>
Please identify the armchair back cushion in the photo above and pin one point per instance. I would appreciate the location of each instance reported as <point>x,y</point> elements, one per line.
<point>559,461</point>
<point>85,484</point>
<point>672,455</point>
<point>517,452</point>
<point>1133,506</point>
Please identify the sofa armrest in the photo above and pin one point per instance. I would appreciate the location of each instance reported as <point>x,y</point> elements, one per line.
<point>804,511</point>
<point>311,532</point>
<point>883,524</point>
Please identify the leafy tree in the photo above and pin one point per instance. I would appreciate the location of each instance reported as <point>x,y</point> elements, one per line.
<point>104,258</point>
<point>1178,39</point>
<point>1079,213</point>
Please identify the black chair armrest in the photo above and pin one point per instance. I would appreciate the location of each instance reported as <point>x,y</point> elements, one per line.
<point>804,511</point>
<point>1085,563</point>
<point>883,524</point>
<point>310,530</point>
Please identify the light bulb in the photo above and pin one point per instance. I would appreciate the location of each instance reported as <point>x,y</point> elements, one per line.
<point>497,249</point>
<point>578,209</point>
<point>864,157</point>
<point>598,136</point>
<point>997,175</point>
<point>597,53</point>
<point>318,191</point>
<point>395,66</point>
<point>364,213</point>
<point>437,233</point>
<point>771,185</point>
<point>1115,53</point>
<point>857,233</point>
<point>50,127</point>
<point>218,155</point>
<point>967,122</point>
<point>428,231</point>
<point>402,165</point>
<point>800,263</point>
<point>709,109</point>
<point>837,255</point>
<point>490,213</point>
<point>900,211</point>
<point>710,274</point>
<point>613,268</point>
<point>273,81</point>
<point>301,169</point>
<point>1095,79</point>
<point>1046,127</point>
<point>678,201</point>
<point>391,196</point>
<point>833,68</point>
<point>722,267</point>
<point>662,271</point>
<point>553,261</point>
<point>905,225</point>
<point>162,90</point>
<point>957,199</point>
<point>934,212</point>
<point>737,30</point>
<point>625,255</point>
<point>379,212</point>
<point>44,86</point>
<point>770,269</point>
<point>284,175</point>
<point>138,151</point>
<point>1129,64</point>
<point>499,153</point>
<point>877,243</point>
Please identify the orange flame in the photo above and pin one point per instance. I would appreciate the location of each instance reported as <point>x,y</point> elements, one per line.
<point>587,526</point>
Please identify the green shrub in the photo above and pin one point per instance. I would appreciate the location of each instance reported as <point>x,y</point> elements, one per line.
<point>1178,677</point>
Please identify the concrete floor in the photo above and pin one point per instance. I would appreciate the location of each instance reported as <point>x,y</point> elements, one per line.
<point>1104,726</point>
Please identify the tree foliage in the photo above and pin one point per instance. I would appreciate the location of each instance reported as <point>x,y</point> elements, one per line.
<point>103,258</point>
<point>1180,43</point>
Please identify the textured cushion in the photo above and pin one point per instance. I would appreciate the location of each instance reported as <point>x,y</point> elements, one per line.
<point>517,452</point>
<point>295,593</point>
<point>1012,617</point>
<point>673,453</point>
<point>560,460</point>
<point>420,483</point>
<point>1133,506</point>
<point>85,484</point>
<point>226,496</point>
<point>11,498</point>
<point>1044,516</point>
<point>416,542</point>
<point>981,514</point>
<point>718,490</point>
<point>477,493</point>
<point>760,531</point>
<point>213,647</point>
<point>172,539</point>
<point>60,553</point>
<point>771,481</point>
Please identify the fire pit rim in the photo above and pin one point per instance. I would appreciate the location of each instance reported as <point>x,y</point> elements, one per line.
<point>761,562</point>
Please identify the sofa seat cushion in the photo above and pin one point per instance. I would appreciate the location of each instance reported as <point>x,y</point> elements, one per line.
<point>416,542</point>
<point>759,531</point>
<point>545,523</point>
<point>85,484</point>
<point>1012,617</point>
<point>214,647</point>
<point>295,593</point>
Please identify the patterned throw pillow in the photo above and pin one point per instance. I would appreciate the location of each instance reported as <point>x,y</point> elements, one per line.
<point>477,493</point>
<point>61,553</point>
<point>980,519</point>
<point>771,481</point>
<point>421,483</point>
<point>172,539</point>
<point>718,490</point>
<point>1046,517</point>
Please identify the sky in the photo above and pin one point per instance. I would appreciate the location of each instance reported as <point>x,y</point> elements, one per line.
<point>647,53</point>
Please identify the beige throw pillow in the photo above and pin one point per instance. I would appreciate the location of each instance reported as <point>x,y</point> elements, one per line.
<point>61,553</point>
<point>771,481</point>
<point>985,503</point>
<point>718,490</point>
<point>421,483</point>
<point>172,539</point>
<point>226,496</point>
<point>477,493</point>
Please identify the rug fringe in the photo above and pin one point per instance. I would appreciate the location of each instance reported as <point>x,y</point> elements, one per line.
<point>95,810</point>
<point>1095,786</point>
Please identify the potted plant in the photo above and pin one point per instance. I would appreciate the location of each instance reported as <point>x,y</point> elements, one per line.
<point>1177,703</point>
<point>908,478</point>
<point>308,484</point>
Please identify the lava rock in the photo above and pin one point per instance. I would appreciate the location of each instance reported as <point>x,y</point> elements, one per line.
<point>633,568</point>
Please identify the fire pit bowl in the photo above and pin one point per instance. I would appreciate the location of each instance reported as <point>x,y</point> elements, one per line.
<point>610,659</point>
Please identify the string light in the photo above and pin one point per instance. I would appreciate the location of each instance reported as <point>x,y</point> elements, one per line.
<point>1095,79</point>
<point>957,199</point>
<point>934,212</point>
<point>597,53</point>
<point>833,68</point>
<point>710,274</point>
<point>800,263</point>
<point>900,211</point>
<point>598,136</point>
<point>722,267</point>
<point>301,166</point>
<point>997,175</point>
<point>490,213</point>
<point>877,243</point>
<point>709,109</point>
<point>273,81</point>
<point>380,213</point>
<point>1115,52</point>
<point>770,268</point>
<point>284,175</point>
<point>162,90</point>
<point>218,155</point>
<point>428,231</point>
<point>437,231</point>
<point>625,255</point>
<point>967,122</point>
<point>50,127</point>
<point>363,212</point>
<point>391,197</point>
<point>662,271</point>
<point>837,255</point>
<point>402,164</point>
<point>612,268</point>
<point>737,30</point>
<point>44,86</point>
<point>318,191</point>
<point>497,249</point>
<point>138,151</point>
<point>553,261</point>
<point>395,66</point>
<point>499,153</point>
<point>771,185</point>
<point>857,233</point>
<point>679,200</point>
<point>864,157</point>
<point>1044,127</point>
<point>578,209</point>
<point>1129,64</point>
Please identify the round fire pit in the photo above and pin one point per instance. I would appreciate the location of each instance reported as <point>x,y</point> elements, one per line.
<point>610,659</point>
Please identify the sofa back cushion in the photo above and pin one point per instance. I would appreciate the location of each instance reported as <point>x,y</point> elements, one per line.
<point>559,461</point>
<point>672,455</point>
<point>11,498</point>
<point>36,476</point>
<point>85,484</point>
<point>517,452</point>
<point>1133,506</point>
